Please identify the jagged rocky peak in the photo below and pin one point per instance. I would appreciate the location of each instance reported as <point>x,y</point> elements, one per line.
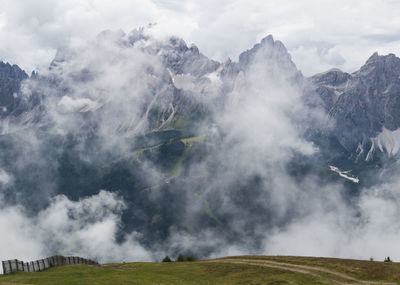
<point>274,56</point>
<point>269,49</point>
<point>333,77</point>
<point>375,59</point>
<point>173,51</point>
<point>11,77</point>
<point>169,58</point>
<point>364,104</point>
<point>382,70</point>
<point>194,49</point>
<point>34,74</point>
<point>378,76</point>
<point>386,64</point>
<point>178,44</point>
<point>229,69</point>
<point>12,71</point>
<point>182,59</point>
<point>330,85</point>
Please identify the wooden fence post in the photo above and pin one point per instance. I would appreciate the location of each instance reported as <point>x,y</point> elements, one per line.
<point>15,265</point>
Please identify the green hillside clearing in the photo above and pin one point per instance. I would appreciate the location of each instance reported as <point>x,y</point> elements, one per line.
<point>229,270</point>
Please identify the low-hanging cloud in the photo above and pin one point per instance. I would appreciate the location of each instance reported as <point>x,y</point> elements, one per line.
<point>239,197</point>
<point>368,229</point>
<point>87,227</point>
<point>333,34</point>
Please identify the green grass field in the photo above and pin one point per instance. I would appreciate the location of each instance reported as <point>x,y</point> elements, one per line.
<point>232,270</point>
<point>360,269</point>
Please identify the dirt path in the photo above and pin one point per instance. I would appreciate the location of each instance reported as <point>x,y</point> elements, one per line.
<point>310,270</point>
<point>116,267</point>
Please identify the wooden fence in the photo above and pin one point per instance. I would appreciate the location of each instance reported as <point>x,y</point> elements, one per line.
<point>14,265</point>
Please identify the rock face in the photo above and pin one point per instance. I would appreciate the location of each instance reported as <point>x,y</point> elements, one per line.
<point>10,81</point>
<point>274,55</point>
<point>271,55</point>
<point>182,59</point>
<point>159,102</point>
<point>164,126</point>
<point>181,92</point>
<point>364,103</point>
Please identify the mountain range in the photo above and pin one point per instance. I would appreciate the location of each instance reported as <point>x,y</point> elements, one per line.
<point>184,139</point>
<point>363,104</point>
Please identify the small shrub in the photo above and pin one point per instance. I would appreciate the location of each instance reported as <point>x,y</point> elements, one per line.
<point>387,259</point>
<point>167,259</point>
<point>180,258</point>
<point>371,259</point>
<point>190,258</point>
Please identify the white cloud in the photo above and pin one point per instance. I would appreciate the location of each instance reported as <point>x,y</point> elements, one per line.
<point>69,104</point>
<point>5,178</point>
<point>370,229</point>
<point>259,129</point>
<point>30,32</point>
<point>84,228</point>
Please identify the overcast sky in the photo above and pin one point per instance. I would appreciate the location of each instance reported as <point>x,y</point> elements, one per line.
<point>319,34</point>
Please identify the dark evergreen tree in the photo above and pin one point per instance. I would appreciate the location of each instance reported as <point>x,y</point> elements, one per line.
<point>190,258</point>
<point>167,259</point>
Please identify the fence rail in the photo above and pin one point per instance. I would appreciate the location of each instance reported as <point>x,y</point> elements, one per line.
<point>15,265</point>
